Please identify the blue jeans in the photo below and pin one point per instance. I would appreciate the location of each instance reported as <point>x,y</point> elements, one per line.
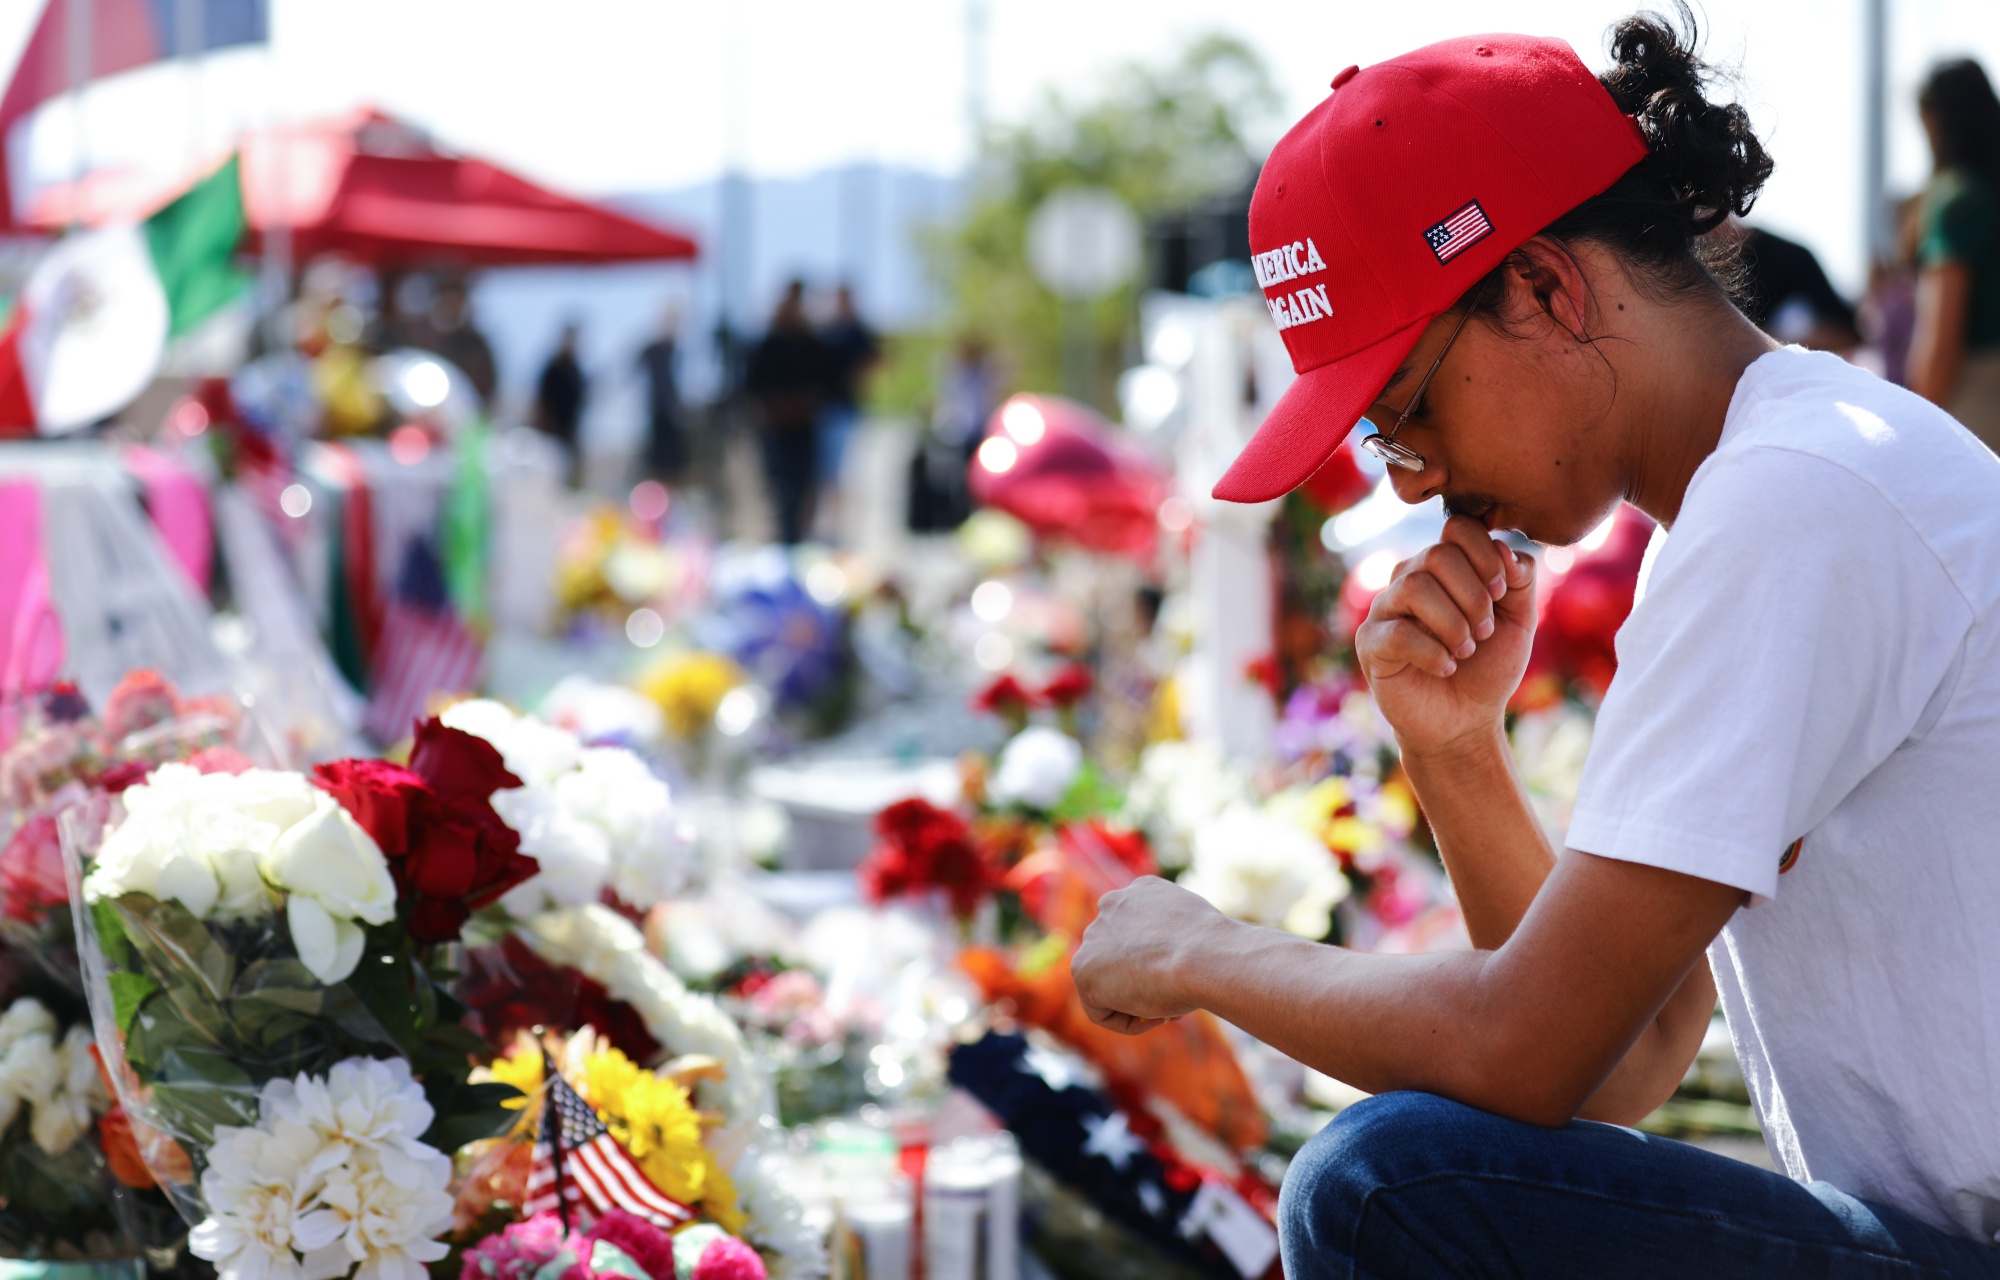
<point>1407,1186</point>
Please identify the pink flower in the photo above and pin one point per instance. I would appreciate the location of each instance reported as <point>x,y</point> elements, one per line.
<point>729,1259</point>
<point>520,1250</point>
<point>31,871</point>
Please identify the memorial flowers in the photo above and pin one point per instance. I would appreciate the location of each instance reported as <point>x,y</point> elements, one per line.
<point>595,819</point>
<point>332,1180</point>
<point>263,961</point>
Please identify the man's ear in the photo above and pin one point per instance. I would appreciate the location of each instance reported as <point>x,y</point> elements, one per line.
<point>1545,279</point>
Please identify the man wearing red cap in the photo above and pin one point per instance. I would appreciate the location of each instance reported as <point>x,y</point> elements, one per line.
<point>1500,267</point>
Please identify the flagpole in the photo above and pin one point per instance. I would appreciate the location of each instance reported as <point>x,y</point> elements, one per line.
<point>188,46</point>
<point>79,60</point>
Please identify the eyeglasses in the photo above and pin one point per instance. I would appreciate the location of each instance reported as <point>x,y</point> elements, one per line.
<point>1387,447</point>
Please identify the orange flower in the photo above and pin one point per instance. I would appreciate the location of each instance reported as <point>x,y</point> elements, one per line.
<point>114,1133</point>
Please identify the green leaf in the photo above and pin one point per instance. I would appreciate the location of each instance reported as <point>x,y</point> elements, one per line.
<point>104,918</point>
<point>177,947</point>
<point>1091,795</point>
<point>388,988</point>
<point>128,992</point>
<point>468,1112</point>
<point>195,1092</point>
<point>273,985</point>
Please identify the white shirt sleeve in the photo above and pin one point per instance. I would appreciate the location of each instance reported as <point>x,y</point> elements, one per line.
<point>1795,631</point>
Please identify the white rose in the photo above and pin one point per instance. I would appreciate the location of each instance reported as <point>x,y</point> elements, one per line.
<point>64,1116</point>
<point>575,855</point>
<point>1036,768</point>
<point>334,875</point>
<point>25,1017</point>
<point>196,838</point>
<point>1260,868</point>
<point>614,791</point>
<point>146,854</point>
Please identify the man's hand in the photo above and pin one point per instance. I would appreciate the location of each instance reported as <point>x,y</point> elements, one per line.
<point>1447,640</point>
<point>1131,957</point>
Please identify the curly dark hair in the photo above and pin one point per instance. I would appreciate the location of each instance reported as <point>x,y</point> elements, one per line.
<point>1704,163</point>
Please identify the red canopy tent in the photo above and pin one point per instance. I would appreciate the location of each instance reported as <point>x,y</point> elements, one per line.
<point>376,190</point>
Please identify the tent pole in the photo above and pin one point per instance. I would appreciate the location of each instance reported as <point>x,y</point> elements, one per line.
<point>1875,131</point>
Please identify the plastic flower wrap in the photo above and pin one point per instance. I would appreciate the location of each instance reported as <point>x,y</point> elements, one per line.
<point>252,947</point>
<point>594,818</point>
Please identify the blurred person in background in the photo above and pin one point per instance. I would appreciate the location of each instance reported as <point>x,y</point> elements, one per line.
<point>789,378</point>
<point>968,393</point>
<point>852,349</point>
<point>448,331</point>
<point>560,392</point>
<point>1955,349</point>
<point>1785,293</point>
<point>1888,314</point>
<point>667,452</point>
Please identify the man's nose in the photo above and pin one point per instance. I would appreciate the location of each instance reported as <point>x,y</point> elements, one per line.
<point>1417,486</point>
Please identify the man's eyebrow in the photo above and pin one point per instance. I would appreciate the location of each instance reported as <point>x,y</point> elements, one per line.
<point>1403,371</point>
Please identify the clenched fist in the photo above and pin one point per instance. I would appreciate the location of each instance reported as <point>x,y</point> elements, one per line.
<point>1446,642</point>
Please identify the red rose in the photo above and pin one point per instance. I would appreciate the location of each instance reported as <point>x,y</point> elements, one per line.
<point>378,794</point>
<point>123,775</point>
<point>448,850</point>
<point>923,848</point>
<point>1006,696</point>
<point>1069,686</point>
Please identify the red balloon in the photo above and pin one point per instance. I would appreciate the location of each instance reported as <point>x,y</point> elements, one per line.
<point>1585,606</point>
<point>1062,470</point>
<point>1339,483</point>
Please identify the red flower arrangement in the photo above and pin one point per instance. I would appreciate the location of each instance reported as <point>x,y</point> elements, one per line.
<point>448,850</point>
<point>510,989</point>
<point>1005,696</point>
<point>923,847</point>
<point>1069,686</point>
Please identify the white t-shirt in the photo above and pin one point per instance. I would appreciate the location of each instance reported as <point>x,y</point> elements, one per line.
<point>1817,655</point>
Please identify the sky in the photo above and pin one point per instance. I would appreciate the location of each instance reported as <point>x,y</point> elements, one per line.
<point>604,97</point>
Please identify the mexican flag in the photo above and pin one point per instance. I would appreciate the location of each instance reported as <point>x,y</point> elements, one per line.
<point>93,321</point>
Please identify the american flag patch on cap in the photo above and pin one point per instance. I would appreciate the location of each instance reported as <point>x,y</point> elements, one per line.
<point>1459,232</point>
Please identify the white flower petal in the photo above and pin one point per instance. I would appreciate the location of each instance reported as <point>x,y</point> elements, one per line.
<point>315,938</point>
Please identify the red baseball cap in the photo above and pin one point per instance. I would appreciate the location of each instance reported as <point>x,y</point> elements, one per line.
<point>1377,211</point>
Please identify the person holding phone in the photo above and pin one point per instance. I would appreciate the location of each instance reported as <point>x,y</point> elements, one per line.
<point>1501,266</point>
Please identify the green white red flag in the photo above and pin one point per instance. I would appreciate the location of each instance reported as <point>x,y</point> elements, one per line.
<point>92,324</point>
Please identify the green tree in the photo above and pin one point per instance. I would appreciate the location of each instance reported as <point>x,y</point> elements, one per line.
<point>1161,137</point>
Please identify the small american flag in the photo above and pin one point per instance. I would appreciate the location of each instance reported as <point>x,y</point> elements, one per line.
<point>579,1168</point>
<point>424,649</point>
<point>1459,232</point>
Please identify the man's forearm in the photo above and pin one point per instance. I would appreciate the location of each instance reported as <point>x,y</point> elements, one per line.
<point>1493,847</point>
<point>1375,1022</point>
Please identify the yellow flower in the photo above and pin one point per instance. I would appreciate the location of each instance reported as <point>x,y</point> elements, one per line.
<point>720,1203</point>
<point>688,687</point>
<point>653,1119</point>
<point>522,1069</point>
